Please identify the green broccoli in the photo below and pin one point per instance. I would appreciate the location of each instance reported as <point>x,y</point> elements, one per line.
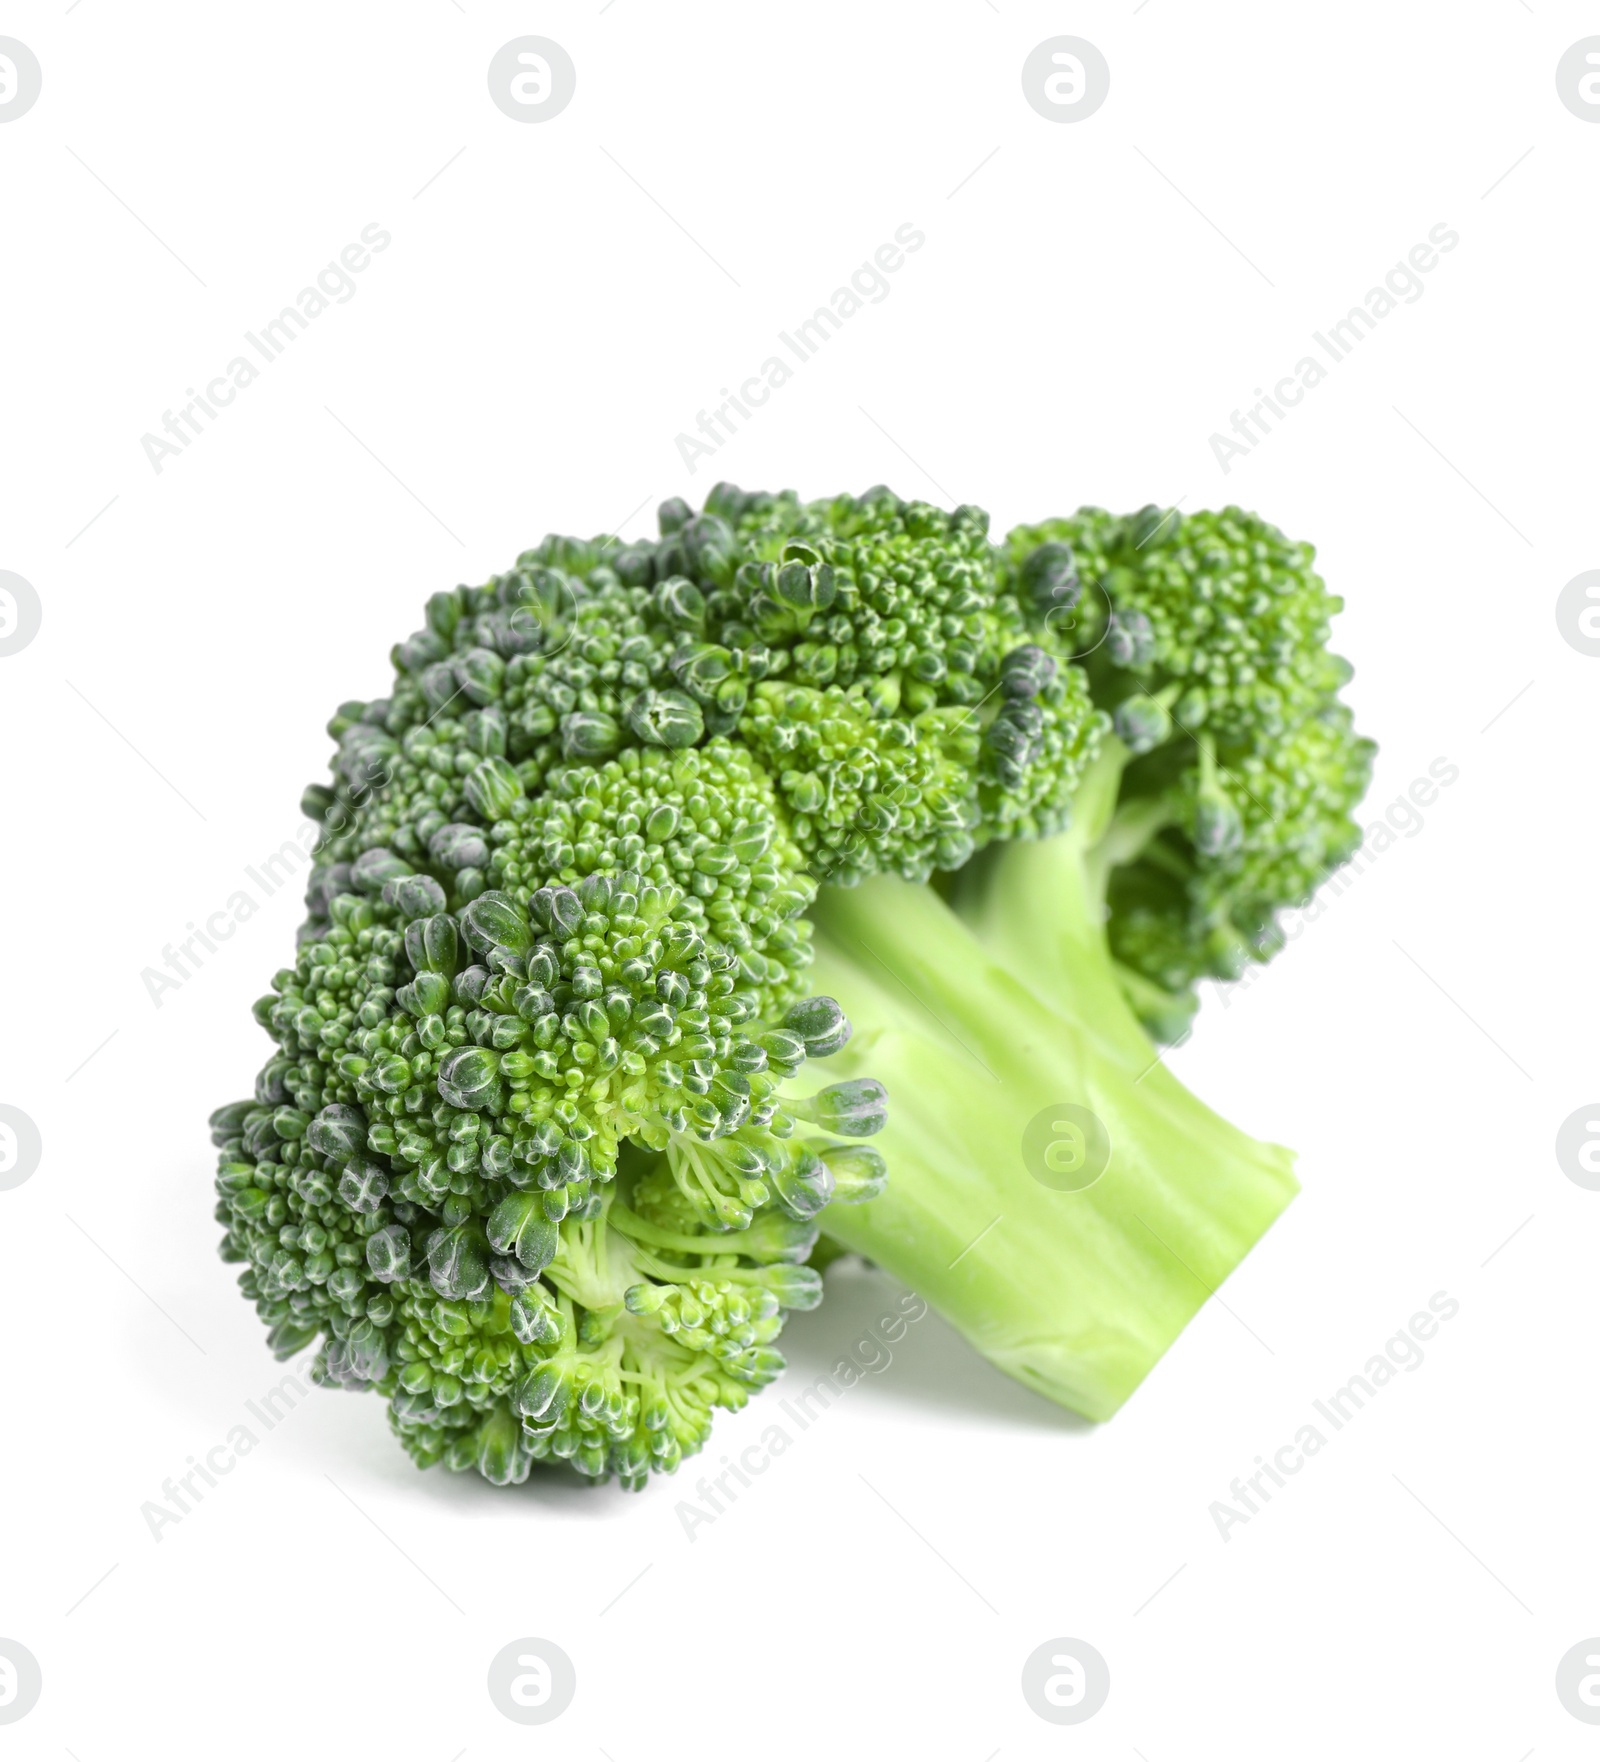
<point>527,1160</point>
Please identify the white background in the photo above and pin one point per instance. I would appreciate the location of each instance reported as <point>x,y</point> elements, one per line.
<point>1091,304</point>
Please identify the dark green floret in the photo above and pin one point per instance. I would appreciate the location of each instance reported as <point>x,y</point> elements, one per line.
<point>495,1147</point>
<point>1204,637</point>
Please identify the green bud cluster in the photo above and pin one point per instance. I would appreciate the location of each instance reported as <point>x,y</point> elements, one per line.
<point>705,823</point>
<point>1204,638</point>
<point>870,789</point>
<point>860,591</point>
<point>868,650</point>
<point>1218,605</point>
<point>540,665</point>
<point>901,700</point>
<point>1267,831</point>
<point>424,1177</point>
<point>616,1356</point>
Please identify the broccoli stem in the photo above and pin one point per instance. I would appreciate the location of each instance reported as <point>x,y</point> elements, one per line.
<point>982,1018</point>
<point>1039,906</point>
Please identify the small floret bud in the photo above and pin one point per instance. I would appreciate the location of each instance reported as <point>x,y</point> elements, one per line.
<point>795,1287</point>
<point>1151,527</point>
<point>590,734</point>
<point>363,1186</point>
<point>1050,578</point>
<point>1130,640</point>
<point>502,1455</point>
<point>821,1024</point>
<point>470,1077</point>
<point>855,1109</point>
<point>1218,830</point>
<point>457,1265</point>
<point>666,718</point>
<point>1027,671</point>
<point>493,788</point>
<point>414,896</point>
<point>859,1172</point>
<point>492,921</point>
<point>804,1184</point>
<point>370,871</point>
<point>542,1397</point>
<point>389,1254</point>
<point>521,1225</point>
<point>672,514</point>
<point>431,946</point>
<point>679,601</point>
<point>1142,723</point>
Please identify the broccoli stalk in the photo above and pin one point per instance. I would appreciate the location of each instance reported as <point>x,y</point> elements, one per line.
<point>992,1010</point>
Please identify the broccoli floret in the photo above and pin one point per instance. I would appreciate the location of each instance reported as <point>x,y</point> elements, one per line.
<point>900,698</point>
<point>470,1041</point>
<point>613,1357</point>
<point>606,1344</point>
<point>424,1184</point>
<point>871,790</point>
<point>1204,637</point>
<point>870,591</point>
<point>540,665</point>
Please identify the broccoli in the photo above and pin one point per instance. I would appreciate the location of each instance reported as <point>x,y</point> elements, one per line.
<point>641,828</point>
